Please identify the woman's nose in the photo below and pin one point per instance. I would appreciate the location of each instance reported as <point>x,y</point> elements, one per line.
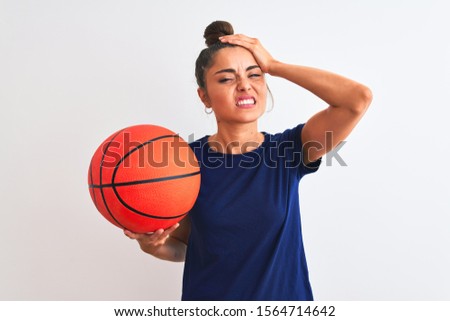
<point>244,85</point>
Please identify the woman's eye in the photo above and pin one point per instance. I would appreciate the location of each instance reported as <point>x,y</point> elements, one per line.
<point>224,80</point>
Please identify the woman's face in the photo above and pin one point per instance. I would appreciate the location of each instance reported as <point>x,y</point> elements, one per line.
<point>235,87</point>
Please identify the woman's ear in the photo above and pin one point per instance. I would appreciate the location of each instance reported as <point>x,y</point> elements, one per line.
<point>204,97</point>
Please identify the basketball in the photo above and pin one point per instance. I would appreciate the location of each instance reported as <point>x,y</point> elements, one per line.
<point>143,178</point>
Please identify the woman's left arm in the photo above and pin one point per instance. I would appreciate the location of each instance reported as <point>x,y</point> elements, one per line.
<point>347,99</point>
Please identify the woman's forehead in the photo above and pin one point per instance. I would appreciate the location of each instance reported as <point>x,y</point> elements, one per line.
<point>233,57</point>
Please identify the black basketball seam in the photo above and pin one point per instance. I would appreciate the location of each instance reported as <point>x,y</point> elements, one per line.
<point>101,176</point>
<point>92,183</point>
<point>113,185</point>
<point>145,181</point>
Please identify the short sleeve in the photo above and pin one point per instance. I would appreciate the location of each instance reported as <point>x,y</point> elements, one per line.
<point>294,135</point>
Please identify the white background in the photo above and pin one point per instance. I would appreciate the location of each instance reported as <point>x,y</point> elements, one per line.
<point>73,72</point>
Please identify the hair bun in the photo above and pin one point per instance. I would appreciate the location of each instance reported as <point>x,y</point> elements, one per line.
<point>215,30</point>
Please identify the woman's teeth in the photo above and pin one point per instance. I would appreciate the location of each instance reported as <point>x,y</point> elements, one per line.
<point>245,102</point>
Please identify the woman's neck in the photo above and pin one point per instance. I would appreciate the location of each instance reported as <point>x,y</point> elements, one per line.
<point>236,139</point>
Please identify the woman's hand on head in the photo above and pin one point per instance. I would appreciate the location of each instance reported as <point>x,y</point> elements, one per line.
<point>261,55</point>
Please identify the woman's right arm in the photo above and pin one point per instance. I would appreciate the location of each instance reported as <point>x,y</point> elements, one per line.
<point>169,245</point>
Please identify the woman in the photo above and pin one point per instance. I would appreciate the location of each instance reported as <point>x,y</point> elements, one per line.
<point>242,239</point>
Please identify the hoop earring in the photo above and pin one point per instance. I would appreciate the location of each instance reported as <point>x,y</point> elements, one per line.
<point>206,110</point>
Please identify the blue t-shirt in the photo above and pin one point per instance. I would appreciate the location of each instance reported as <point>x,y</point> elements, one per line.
<point>246,240</point>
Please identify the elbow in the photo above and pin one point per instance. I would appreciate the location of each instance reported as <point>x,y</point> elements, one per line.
<point>367,97</point>
<point>363,99</point>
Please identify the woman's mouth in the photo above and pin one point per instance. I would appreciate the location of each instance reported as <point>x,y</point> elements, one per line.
<point>246,102</point>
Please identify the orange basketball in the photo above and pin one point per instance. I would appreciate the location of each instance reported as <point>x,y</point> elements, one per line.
<point>143,178</point>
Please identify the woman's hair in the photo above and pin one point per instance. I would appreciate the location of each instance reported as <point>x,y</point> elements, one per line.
<point>212,33</point>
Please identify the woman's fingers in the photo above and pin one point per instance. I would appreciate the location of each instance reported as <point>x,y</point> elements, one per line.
<point>172,228</point>
<point>130,235</point>
<point>157,237</point>
<point>240,40</point>
<point>261,55</point>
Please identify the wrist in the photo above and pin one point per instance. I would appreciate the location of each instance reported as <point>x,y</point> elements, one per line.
<point>274,67</point>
